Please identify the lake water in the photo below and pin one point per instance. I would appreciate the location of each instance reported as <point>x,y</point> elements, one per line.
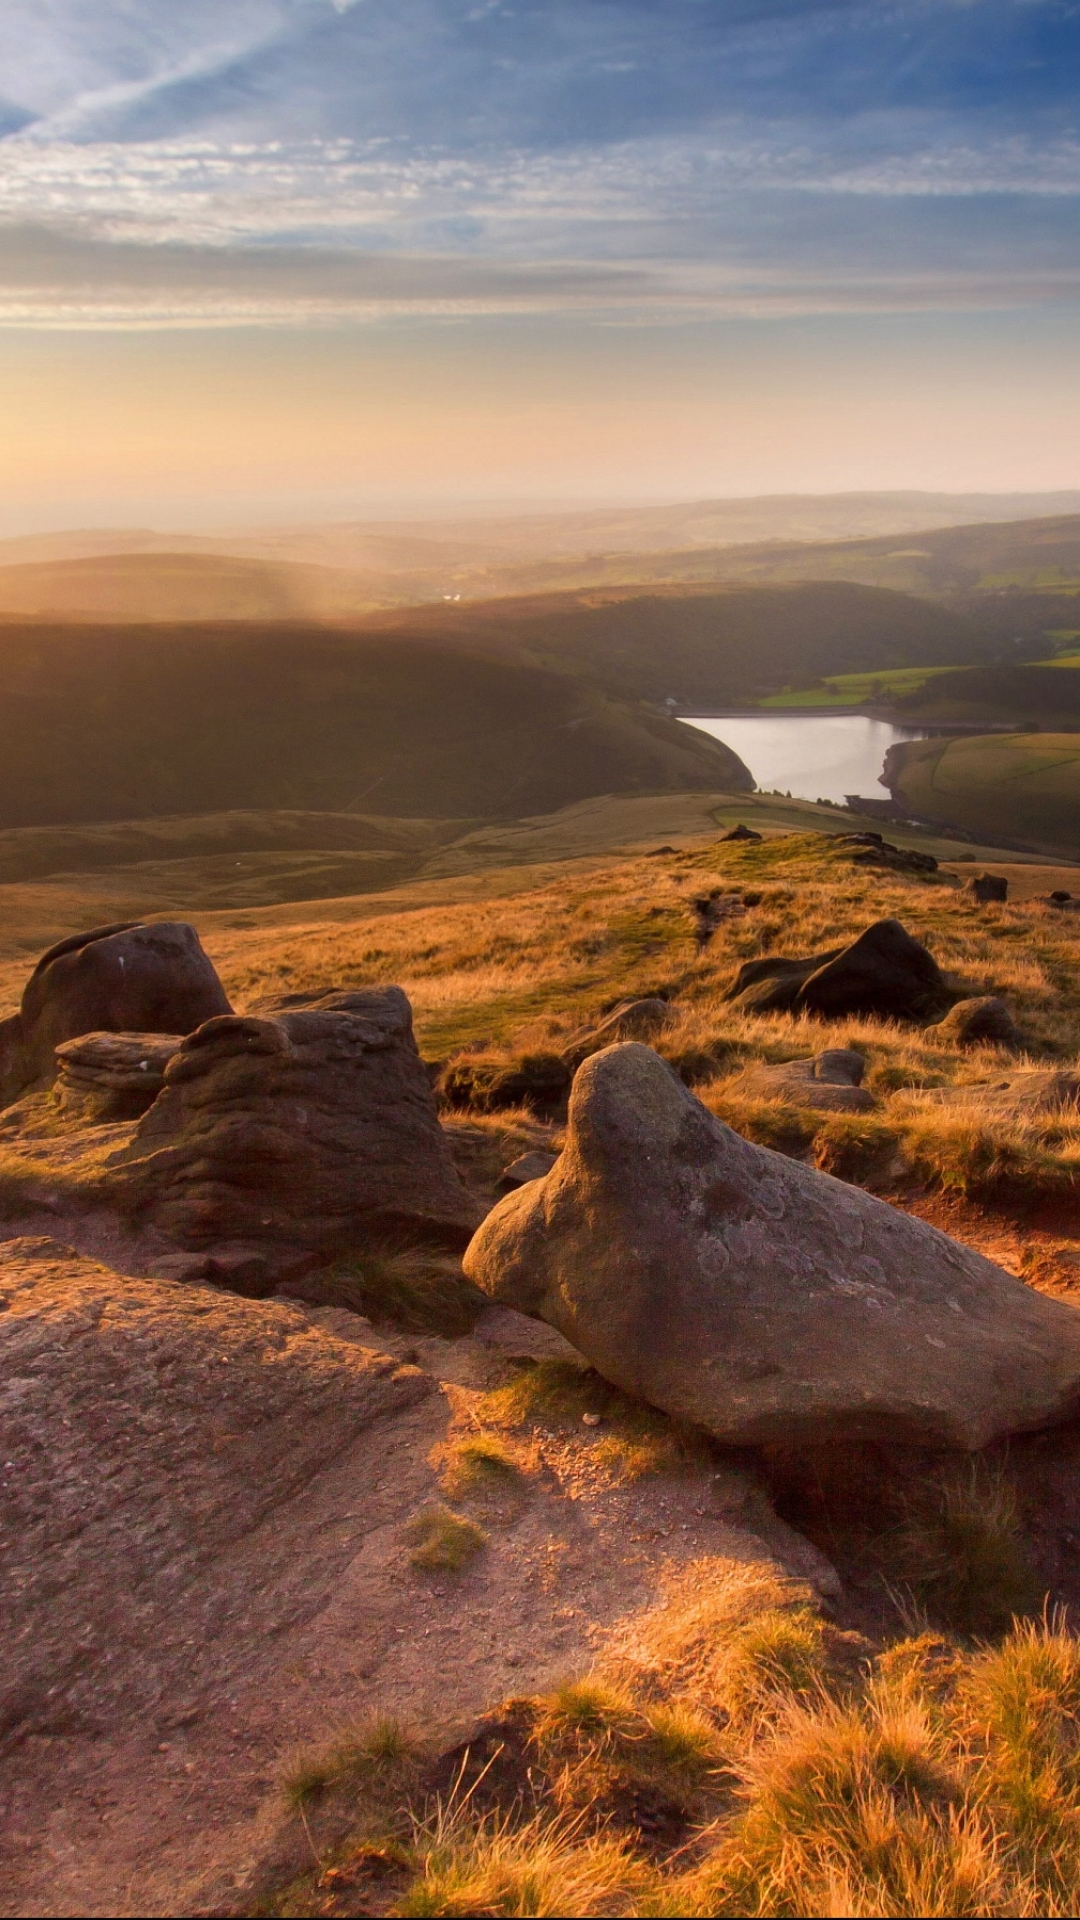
<point>811,756</point>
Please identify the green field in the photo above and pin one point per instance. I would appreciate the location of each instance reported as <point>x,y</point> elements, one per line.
<point>1019,786</point>
<point>855,689</point>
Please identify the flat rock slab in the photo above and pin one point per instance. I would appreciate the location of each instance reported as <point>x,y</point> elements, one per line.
<point>828,1082</point>
<point>150,1427</point>
<point>757,1298</point>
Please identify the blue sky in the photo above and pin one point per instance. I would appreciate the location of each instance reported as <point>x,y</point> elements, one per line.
<point>652,164</point>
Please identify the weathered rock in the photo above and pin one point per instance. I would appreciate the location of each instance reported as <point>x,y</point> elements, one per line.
<point>884,973</point>
<point>127,978</point>
<point>113,1076</point>
<point>741,832</point>
<point>986,887</point>
<point>308,1130</point>
<point>757,1298</point>
<point>830,1082</point>
<point>874,851</point>
<point>984,1019</point>
<point>528,1166</point>
<point>630,1020</point>
<point>157,1428</point>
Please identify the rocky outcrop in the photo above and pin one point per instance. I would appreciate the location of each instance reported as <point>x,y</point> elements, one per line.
<point>831,1082</point>
<point>113,1076</point>
<point>300,1133</point>
<point>527,1166</point>
<point>127,978</point>
<point>884,973</point>
<point>970,1023</point>
<point>157,1428</point>
<point>757,1298</point>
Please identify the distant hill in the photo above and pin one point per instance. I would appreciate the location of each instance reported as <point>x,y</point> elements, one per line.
<point>703,648</point>
<point>122,722</point>
<point>182,586</point>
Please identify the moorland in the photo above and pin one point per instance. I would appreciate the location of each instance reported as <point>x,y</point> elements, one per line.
<point>445,1622</point>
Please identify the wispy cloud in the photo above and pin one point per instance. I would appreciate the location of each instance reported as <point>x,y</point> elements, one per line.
<point>265,160</point>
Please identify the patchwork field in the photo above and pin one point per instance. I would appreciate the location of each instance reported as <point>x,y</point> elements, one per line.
<point>1025,786</point>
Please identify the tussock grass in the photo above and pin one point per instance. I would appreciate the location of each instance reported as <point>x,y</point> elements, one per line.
<point>960,1550</point>
<point>539,1866</point>
<point>929,1779</point>
<point>377,1752</point>
<point>633,1441</point>
<point>417,1288</point>
<point>443,1541</point>
<point>480,1464</point>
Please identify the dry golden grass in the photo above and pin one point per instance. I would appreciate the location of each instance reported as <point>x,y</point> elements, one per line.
<point>797,1776</point>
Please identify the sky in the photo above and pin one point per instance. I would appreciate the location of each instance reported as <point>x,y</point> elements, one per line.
<point>308,259</point>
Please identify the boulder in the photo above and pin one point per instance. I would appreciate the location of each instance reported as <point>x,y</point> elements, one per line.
<point>528,1166</point>
<point>831,1082</point>
<point>113,1076</point>
<point>741,832</point>
<point>987,887</point>
<point>884,973</point>
<point>630,1020</point>
<point>758,1299</point>
<point>127,978</point>
<point>971,1022</point>
<point>304,1131</point>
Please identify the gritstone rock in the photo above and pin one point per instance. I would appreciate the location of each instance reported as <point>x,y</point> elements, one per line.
<point>127,978</point>
<point>528,1166</point>
<point>164,1436</point>
<point>310,1129</point>
<point>884,973</point>
<point>631,1020</point>
<point>758,1299</point>
<point>113,1076</point>
<point>972,1021</point>
<point>987,887</point>
<point>830,1081</point>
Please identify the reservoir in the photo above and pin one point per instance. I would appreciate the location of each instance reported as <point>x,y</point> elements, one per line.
<point>810,756</point>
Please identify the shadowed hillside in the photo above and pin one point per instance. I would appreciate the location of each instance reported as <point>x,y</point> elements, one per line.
<point>704,648</point>
<point>138,721</point>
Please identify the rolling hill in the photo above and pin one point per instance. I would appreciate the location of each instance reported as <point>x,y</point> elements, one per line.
<point>128,721</point>
<point>702,648</point>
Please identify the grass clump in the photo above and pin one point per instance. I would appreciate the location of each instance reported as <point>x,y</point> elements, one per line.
<point>378,1751</point>
<point>960,1552</point>
<point>540,1866</point>
<point>481,1463</point>
<point>419,1289</point>
<point>970,1150</point>
<point>443,1541</point>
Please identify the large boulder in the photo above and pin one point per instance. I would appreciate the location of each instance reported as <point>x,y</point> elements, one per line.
<point>884,973</point>
<point>127,978</point>
<point>302,1132</point>
<point>758,1299</point>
